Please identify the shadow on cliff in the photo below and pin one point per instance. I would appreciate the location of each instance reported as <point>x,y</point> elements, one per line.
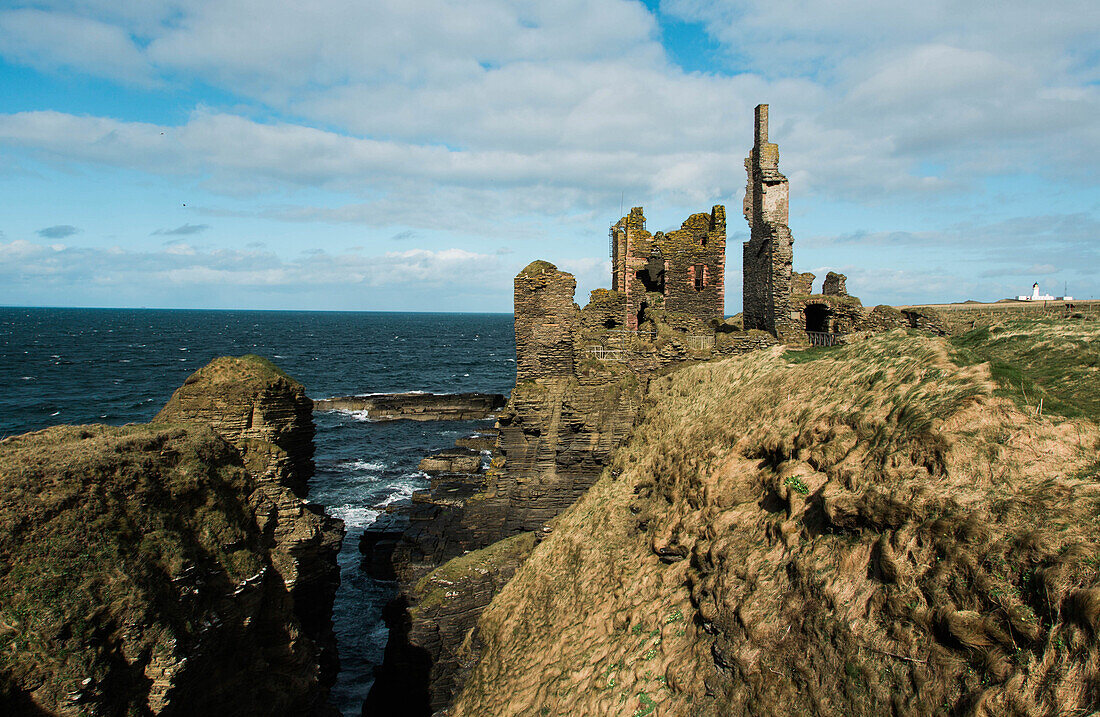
<point>15,701</point>
<point>401,682</point>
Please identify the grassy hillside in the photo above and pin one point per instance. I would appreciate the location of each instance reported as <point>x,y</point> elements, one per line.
<point>870,529</point>
<point>1053,360</point>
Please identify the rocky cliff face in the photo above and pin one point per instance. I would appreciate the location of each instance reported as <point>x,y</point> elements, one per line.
<point>562,423</point>
<point>267,416</point>
<point>417,406</point>
<point>257,408</point>
<point>136,580</point>
<point>168,568</point>
<point>866,530</point>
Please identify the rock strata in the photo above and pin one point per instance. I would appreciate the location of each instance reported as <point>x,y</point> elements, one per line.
<point>470,532</point>
<point>266,415</point>
<point>418,406</point>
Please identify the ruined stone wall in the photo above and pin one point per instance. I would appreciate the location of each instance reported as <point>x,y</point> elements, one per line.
<point>742,342</point>
<point>802,284</point>
<point>604,311</point>
<point>545,319</point>
<point>769,253</point>
<point>835,285</point>
<point>687,266</point>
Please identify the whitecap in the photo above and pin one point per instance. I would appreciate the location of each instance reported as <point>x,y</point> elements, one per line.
<point>355,516</point>
<point>55,413</point>
<point>372,466</point>
<point>401,491</point>
<point>357,415</point>
<point>28,378</point>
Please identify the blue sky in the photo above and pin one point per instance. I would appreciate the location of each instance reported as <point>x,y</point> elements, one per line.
<point>415,154</point>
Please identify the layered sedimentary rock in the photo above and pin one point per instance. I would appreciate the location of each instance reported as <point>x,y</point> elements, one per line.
<point>563,421</point>
<point>266,415</point>
<point>417,406</point>
<point>257,408</point>
<point>452,460</point>
<point>425,661</point>
<point>135,580</point>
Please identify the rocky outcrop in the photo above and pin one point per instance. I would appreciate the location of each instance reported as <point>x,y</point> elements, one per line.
<point>136,580</point>
<point>257,408</point>
<point>452,460</point>
<point>418,406</point>
<point>266,415</point>
<point>566,416</point>
<point>425,665</point>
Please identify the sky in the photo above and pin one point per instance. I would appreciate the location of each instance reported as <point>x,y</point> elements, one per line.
<point>416,154</point>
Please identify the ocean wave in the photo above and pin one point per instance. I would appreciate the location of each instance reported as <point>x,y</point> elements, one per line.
<point>355,516</point>
<point>357,415</point>
<point>371,466</point>
<point>402,490</point>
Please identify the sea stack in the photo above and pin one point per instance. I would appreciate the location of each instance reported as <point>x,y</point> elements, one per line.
<point>168,568</point>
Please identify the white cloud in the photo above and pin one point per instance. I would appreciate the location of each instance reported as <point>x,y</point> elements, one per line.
<point>184,266</point>
<point>59,40</point>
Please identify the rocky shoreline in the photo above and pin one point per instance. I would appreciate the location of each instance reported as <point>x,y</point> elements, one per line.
<point>417,406</point>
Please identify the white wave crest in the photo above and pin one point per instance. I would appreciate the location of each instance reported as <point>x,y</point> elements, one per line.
<point>369,466</point>
<point>355,516</point>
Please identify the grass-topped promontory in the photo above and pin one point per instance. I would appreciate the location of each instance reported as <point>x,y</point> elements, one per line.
<point>861,530</point>
<point>101,528</point>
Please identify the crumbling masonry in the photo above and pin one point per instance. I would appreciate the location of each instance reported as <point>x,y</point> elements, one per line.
<point>685,267</point>
<point>769,252</point>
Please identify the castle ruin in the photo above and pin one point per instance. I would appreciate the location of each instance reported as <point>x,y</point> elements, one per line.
<point>769,252</point>
<point>685,267</point>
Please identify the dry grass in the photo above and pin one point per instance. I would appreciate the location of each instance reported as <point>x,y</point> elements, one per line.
<point>861,530</point>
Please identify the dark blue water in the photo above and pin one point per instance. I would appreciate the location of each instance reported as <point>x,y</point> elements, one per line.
<point>117,366</point>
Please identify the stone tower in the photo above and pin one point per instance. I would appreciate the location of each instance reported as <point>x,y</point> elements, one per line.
<point>769,251</point>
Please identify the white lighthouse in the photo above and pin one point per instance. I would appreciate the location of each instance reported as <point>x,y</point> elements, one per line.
<point>1036,296</point>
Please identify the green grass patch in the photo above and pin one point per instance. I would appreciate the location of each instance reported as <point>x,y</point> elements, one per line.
<point>1054,360</point>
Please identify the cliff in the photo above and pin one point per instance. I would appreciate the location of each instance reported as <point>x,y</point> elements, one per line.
<point>563,421</point>
<point>883,527</point>
<point>169,568</point>
<point>266,415</point>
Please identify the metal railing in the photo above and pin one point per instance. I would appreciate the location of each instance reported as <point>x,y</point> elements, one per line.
<point>823,338</point>
<point>605,354</point>
<point>701,342</point>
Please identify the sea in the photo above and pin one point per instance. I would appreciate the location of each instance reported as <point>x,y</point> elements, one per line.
<point>117,366</point>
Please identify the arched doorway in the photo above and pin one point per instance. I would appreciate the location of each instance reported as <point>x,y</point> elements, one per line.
<point>817,318</point>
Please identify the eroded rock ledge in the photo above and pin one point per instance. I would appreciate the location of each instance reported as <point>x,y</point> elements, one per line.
<point>170,568</point>
<point>417,406</point>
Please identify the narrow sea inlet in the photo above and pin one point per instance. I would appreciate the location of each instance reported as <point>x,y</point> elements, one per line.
<point>115,366</point>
